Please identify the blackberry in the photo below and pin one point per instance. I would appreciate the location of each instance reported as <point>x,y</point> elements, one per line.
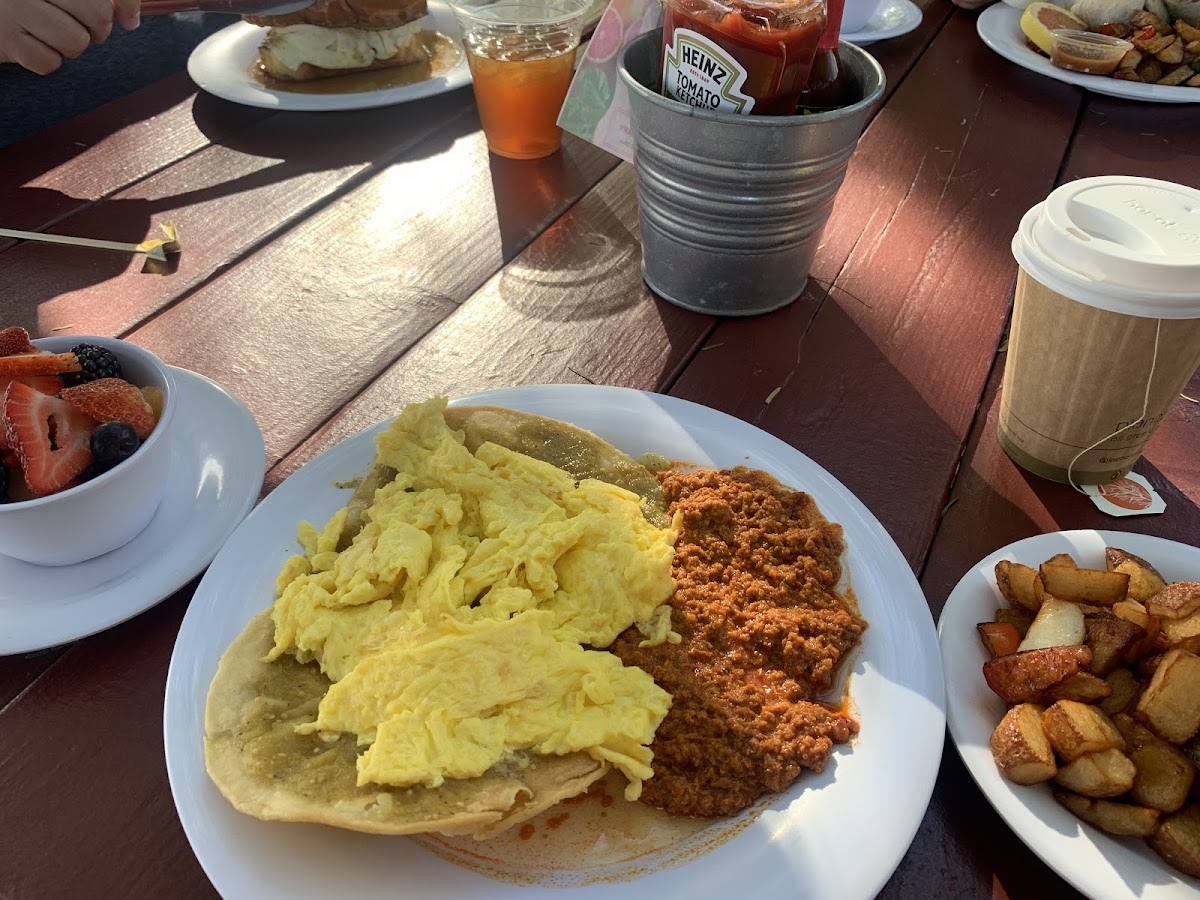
<point>113,442</point>
<point>97,363</point>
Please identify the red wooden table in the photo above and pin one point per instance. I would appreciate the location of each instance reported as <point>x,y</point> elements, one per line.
<point>338,265</point>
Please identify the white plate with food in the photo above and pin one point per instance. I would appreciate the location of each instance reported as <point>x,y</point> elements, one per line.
<point>1096,863</point>
<point>804,842</point>
<point>892,19</point>
<point>999,27</point>
<point>216,472</point>
<point>227,64</point>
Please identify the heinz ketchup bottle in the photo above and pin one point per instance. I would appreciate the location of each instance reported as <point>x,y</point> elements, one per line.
<point>828,87</point>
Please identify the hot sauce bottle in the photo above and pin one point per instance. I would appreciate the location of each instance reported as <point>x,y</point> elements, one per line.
<point>828,87</point>
<point>750,57</point>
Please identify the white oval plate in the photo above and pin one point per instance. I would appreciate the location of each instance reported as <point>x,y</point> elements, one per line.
<point>1097,864</point>
<point>892,19</point>
<point>223,62</point>
<point>837,834</point>
<point>1000,27</point>
<point>217,465</point>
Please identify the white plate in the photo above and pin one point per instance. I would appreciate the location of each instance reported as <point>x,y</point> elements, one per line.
<point>809,843</point>
<point>1095,863</point>
<point>892,19</point>
<point>217,464</point>
<point>223,63</point>
<point>1000,28</point>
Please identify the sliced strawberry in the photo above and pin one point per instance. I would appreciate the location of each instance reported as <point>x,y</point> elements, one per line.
<point>22,366</point>
<point>52,439</point>
<point>113,400</point>
<point>14,341</point>
<point>47,384</point>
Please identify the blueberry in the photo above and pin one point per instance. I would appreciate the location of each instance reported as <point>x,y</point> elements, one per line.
<point>113,442</point>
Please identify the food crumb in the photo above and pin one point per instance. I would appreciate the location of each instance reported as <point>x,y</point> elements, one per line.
<point>526,831</point>
<point>556,821</point>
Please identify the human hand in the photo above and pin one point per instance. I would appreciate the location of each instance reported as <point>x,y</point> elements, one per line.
<point>40,34</point>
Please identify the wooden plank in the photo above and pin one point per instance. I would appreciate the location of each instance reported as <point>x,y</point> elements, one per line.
<point>224,200</point>
<point>1149,139</point>
<point>65,168</point>
<point>917,252</point>
<point>20,671</point>
<point>328,306</point>
<point>86,803</point>
<point>571,308</point>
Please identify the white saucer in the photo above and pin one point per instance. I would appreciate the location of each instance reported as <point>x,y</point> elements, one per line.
<point>892,19</point>
<point>217,466</point>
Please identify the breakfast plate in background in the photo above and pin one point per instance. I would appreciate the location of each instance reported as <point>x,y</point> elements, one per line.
<point>1000,28</point>
<point>893,18</point>
<point>805,842</point>
<point>1096,863</point>
<point>224,65</point>
<point>216,473</point>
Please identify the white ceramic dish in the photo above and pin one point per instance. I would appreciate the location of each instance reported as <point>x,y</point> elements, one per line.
<point>999,27</point>
<point>809,843</point>
<point>215,474</point>
<point>223,63</point>
<point>892,19</point>
<point>1097,864</point>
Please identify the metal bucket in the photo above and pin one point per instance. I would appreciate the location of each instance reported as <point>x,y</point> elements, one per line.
<point>732,207</point>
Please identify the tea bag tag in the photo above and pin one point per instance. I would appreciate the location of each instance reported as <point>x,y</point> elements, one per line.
<point>1128,496</point>
<point>597,104</point>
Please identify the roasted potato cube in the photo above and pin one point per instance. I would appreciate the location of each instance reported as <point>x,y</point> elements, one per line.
<point>1164,772</point>
<point>1094,587</point>
<point>1194,81</point>
<point>1149,69</point>
<point>1143,18</point>
<point>1180,631</point>
<point>1062,559</point>
<point>1178,75</point>
<point>1020,677</point>
<point>1192,46</point>
<point>1020,619</point>
<point>1177,600</point>
<point>1115,818</point>
<point>1106,773</point>
<point>1132,611</point>
<point>1015,583</point>
<point>1083,687</point>
<point>1188,32</point>
<point>1170,704</point>
<point>1077,729</point>
<point>1130,60</point>
<point>1021,748</point>
<point>999,638</point>
<point>1155,44</point>
<point>1125,686</point>
<point>1110,638</point>
<point>1144,579</point>
<point>1057,624</point>
<point>1172,54</point>
<point>1177,840</point>
<point>1127,75</point>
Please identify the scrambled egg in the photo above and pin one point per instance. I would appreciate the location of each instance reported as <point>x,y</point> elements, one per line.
<point>456,626</point>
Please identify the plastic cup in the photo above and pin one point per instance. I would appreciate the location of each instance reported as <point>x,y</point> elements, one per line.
<point>522,57</point>
<point>1106,325</point>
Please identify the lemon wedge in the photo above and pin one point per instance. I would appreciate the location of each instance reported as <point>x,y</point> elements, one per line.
<point>1040,18</point>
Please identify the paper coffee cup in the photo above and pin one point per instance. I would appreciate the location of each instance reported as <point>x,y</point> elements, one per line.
<point>1106,324</point>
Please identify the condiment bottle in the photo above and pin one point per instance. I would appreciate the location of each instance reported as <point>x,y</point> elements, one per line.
<point>750,57</point>
<point>828,86</point>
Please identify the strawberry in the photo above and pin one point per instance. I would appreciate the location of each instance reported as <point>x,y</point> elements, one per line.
<point>47,384</point>
<point>14,341</point>
<point>52,439</point>
<point>113,400</point>
<point>23,365</point>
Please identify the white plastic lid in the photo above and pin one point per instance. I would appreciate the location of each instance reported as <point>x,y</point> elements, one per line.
<point>1129,245</point>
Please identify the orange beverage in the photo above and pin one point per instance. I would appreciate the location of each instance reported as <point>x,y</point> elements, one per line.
<point>519,101</point>
<point>522,55</point>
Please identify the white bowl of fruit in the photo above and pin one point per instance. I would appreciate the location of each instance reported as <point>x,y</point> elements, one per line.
<point>84,444</point>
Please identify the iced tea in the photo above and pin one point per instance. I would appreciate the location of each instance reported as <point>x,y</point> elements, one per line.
<point>522,55</point>
<point>519,101</point>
